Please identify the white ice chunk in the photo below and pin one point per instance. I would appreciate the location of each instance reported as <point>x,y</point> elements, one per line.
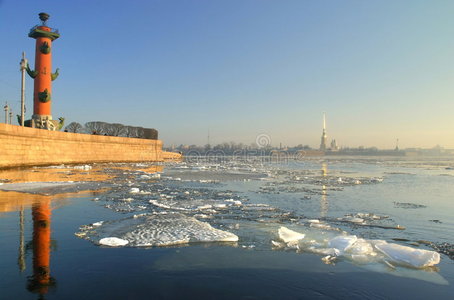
<point>134,190</point>
<point>293,245</point>
<point>206,206</point>
<point>277,244</point>
<point>113,242</point>
<point>417,258</point>
<point>322,226</point>
<point>202,216</point>
<point>288,235</point>
<point>84,167</point>
<point>354,219</point>
<point>361,247</point>
<point>161,205</point>
<point>324,251</point>
<point>234,202</point>
<point>220,205</point>
<point>342,243</point>
<point>328,259</point>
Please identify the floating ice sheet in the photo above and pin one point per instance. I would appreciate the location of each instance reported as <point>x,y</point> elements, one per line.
<point>418,258</point>
<point>356,249</point>
<point>34,186</point>
<point>342,243</point>
<point>287,235</point>
<point>163,229</point>
<point>190,204</point>
<point>50,188</point>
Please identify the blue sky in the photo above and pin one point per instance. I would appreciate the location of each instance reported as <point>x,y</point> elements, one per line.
<point>380,70</point>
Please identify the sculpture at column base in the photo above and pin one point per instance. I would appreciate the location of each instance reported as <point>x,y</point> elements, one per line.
<point>46,122</point>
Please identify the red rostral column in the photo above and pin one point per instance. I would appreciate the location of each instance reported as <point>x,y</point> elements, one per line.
<point>43,76</point>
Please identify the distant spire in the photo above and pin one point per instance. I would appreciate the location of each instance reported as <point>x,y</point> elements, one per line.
<point>324,121</point>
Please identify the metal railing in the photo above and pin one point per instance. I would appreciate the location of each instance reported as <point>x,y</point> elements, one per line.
<point>54,30</point>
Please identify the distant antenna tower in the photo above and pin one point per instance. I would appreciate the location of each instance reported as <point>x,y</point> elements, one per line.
<point>208,138</point>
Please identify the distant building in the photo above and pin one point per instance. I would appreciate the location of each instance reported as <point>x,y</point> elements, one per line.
<point>324,136</point>
<point>334,146</point>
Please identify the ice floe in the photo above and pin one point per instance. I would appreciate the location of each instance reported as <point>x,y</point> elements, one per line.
<point>163,229</point>
<point>356,249</point>
<point>408,205</point>
<point>417,258</point>
<point>29,186</point>
<point>342,243</point>
<point>83,167</point>
<point>46,188</point>
<point>287,235</point>
<point>182,197</point>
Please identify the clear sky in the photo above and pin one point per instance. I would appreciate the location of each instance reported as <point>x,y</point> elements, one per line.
<point>380,70</point>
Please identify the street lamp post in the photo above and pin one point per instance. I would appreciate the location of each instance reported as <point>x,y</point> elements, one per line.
<point>23,66</point>
<point>6,108</point>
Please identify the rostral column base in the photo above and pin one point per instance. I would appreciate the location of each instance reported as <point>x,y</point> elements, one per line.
<point>44,122</point>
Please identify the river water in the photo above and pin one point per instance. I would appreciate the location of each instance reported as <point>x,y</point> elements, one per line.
<point>216,228</point>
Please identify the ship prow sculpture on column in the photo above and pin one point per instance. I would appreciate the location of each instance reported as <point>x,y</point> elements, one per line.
<point>43,76</point>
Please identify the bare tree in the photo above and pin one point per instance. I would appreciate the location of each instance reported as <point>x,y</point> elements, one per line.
<point>96,127</point>
<point>74,127</point>
<point>134,132</point>
<point>117,129</point>
<point>107,128</point>
<point>150,133</point>
<point>130,131</point>
<point>140,132</point>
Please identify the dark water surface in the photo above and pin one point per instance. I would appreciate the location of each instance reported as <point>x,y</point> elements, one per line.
<point>52,262</point>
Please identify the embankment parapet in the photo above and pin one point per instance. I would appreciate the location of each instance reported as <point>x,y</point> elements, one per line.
<point>23,146</point>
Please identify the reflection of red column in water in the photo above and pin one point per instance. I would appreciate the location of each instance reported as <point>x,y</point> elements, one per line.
<point>41,280</point>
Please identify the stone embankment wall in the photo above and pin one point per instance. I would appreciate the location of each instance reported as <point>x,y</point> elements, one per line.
<point>23,146</point>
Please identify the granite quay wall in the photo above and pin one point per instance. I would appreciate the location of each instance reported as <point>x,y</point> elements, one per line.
<point>24,146</point>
